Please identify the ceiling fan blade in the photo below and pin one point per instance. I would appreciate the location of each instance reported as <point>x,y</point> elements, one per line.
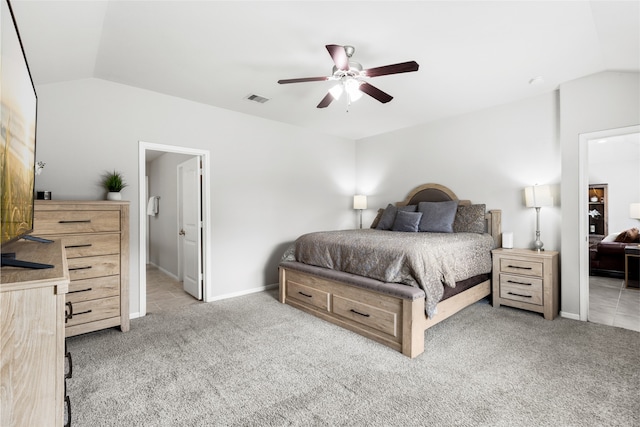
<point>339,56</point>
<point>304,79</point>
<point>325,101</point>
<point>375,93</point>
<point>403,67</point>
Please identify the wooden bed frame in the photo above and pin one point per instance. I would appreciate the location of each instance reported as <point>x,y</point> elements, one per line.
<point>376,311</point>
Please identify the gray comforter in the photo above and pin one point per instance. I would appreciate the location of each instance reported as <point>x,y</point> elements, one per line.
<point>426,260</point>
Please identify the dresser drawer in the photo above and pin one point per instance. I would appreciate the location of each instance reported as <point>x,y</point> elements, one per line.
<point>90,289</point>
<point>94,266</point>
<point>89,311</point>
<point>517,266</point>
<point>82,245</point>
<point>381,320</point>
<point>307,295</point>
<point>70,222</point>
<point>521,288</point>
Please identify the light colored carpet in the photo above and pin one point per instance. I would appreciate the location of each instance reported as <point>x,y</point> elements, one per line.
<point>251,361</point>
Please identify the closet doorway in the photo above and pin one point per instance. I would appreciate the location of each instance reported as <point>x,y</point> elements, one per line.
<point>160,250</point>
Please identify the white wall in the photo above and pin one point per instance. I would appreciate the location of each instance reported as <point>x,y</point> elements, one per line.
<point>594,103</point>
<point>163,227</point>
<point>488,157</point>
<point>270,182</point>
<point>616,162</point>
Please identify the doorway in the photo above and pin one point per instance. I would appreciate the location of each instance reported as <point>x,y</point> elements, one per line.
<point>203,157</point>
<point>584,141</point>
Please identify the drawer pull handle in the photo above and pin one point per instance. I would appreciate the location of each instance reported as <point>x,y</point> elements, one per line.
<point>81,268</point>
<point>80,290</point>
<point>305,295</point>
<point>519,267</point>
<point>67,410</point>
<point>83,312</point>
<point>519,283</point>
<point>519,295</point>
<point>74,221</point>
<point>68,314</point>
<point>68,366</point>
<point>79,246</point>
<point>361,314</point>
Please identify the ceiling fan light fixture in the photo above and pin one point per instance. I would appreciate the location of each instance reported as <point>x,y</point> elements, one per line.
<point>352,87</point>
<point>336,91</point>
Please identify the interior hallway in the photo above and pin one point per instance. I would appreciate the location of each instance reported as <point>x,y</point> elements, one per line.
<point>164,293</point>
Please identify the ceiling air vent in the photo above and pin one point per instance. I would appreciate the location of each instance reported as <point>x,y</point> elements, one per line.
<point>257,98</point>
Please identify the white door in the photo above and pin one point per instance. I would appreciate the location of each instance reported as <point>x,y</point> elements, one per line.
<point>190,223</point>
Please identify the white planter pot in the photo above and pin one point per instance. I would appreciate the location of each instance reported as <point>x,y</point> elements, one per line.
<point>114,195</point>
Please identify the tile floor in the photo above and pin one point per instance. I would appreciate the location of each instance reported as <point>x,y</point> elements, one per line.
<point>610,303</point>
<point>165,293</point>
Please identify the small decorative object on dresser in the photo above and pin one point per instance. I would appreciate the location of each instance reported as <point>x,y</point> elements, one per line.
<point>95,235</point>
<point>526,279</point>
<point>114,183</point>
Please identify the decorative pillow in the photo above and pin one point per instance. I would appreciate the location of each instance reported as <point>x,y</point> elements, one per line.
<point>470,219</point>
<point>409,208</point>
<point>611,237</point>
<point>406,221</point>
<point>437,216</point>
<point>387,218</point>
<point>376,220</point>
<point>628,236</point>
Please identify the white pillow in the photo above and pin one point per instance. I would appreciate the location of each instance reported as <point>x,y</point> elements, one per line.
<point>611,237</point>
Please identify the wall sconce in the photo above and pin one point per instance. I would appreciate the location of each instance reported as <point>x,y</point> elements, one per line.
<point>537,197</point>
<point>634,210</point>
<point>359,204</point>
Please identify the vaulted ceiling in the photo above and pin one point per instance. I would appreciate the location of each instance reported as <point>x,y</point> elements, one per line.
<point>472,54</point>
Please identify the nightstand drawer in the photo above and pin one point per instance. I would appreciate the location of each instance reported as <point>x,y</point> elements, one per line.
<point>520,293</point>
<point>307,295</point>
<point>517,266</point>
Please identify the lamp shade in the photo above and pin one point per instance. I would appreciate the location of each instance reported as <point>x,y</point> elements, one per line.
<point>359,201</point>
<point>538,196</point>
<point>634,210</point>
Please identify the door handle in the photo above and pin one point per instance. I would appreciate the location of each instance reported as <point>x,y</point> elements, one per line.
<point>182,233</point>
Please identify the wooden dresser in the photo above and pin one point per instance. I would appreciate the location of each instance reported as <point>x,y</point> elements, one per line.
<point>526,279</point>
<point>95,235</point>
<point>32,312</point>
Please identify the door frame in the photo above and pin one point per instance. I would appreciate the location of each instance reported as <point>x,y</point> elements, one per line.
<point>205,156</point>
<point>583,223</point>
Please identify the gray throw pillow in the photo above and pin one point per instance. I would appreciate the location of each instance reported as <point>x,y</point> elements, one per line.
<point>407,221</point>
<point>409,208</point>
<point>470,219</point>
<point>437,216</point>
<point>387,218</point>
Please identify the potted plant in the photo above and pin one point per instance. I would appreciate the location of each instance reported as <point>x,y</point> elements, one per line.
<point>113,182</point>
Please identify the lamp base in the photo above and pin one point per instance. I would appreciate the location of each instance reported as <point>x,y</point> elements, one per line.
<point>537,246</point>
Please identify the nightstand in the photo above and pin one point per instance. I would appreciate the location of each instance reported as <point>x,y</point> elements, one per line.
<point>526,279</point>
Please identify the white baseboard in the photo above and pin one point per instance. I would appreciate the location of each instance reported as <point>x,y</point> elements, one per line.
<point>572,316</point>
<point>241,293</point>
<point>134,315</point>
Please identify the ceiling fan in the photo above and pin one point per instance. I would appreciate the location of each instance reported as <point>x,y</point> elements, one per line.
<point>352,78</point>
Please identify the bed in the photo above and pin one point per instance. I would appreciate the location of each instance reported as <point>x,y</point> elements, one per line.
<point>340,276</point>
